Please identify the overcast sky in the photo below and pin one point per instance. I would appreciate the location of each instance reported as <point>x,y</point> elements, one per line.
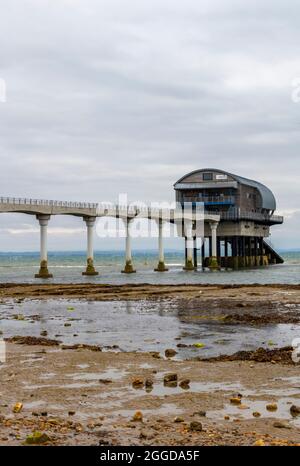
<point>126,96</point>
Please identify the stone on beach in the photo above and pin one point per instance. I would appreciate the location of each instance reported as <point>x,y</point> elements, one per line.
<point>295,410</point>
<point>196,426</point>
<point>171,377</point>
<point>272,407</point>
<point>170,353</point>
<point>184,384</point>
<point>137,417</point>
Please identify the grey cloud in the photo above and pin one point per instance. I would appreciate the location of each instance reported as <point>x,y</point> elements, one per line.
<point>111,96</point>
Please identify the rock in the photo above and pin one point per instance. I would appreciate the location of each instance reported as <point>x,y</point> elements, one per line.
<point>137,417</point>
<point>259,443</point>
<point>185,384</point>
<point>18,408</point>
<point>178,419</point>
<point>138,382</point>
<point>44,413</point>
<point>235,401</point>
<point>170,353</point>
<point>227,418</point>
<point>195,426</point>
<point>171,377</point>
<point>37,438</point>
<point>105,381</point>
<point>67,324</point>
<point>44,333</point>
<point>71,413</point>
<point>295,410</point>
<point>256,414</point>
<point>281,425</point>
<point>272,407</point>
<point>148,383</point>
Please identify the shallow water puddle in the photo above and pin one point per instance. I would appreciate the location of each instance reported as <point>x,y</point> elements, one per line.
<point>234,412</point>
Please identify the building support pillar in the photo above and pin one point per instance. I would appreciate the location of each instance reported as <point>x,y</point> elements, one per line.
<point>161,267</point>
<point>226,252</point>
<point>235,258</point>
<point>90,269</point>
<point>203,253</point>
<point>213,260</point>
<point>43,272</point>
<point>189,242</point>
<point>128,258</point>
<point>195,253</point>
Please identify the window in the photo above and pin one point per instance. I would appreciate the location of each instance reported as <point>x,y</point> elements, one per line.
<point>207,176</point>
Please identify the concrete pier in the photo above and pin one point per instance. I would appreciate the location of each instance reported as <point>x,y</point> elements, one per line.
<point>90,269</point>
<point>161,267</point>
<point>128,257</point>
<point>43,272</point>
<point>189,244</point>
<point>213,259</point>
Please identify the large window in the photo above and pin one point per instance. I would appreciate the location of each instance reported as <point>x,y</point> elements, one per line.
<point>207,176</point>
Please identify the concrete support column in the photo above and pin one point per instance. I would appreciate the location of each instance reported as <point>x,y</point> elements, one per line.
<point>189,264</point>
<point>43,272</point>
<point>90,269</point>
<point>213,260</point>
<point>203,253</point>
<point>235,259</point>
<point>128,258</point>
<point>161,267</point>
<point>195,253</point>
<point>226,251</point>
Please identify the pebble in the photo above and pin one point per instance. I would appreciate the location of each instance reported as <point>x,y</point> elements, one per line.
<point>295,410</point>
<point>148,383</point>
<point>172,377</point>
<point>178,419</point>
<point>137,417</point>
<point>170,353</point>
<point>18,408</point>
<point>196,426</point>
<point>272,407</point>
<point>185,384</point>
<point>235,401</point>
<point>256,414</point>
<point>138,383</point>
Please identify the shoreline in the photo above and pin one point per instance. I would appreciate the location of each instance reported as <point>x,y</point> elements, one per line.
<point>136,291</point>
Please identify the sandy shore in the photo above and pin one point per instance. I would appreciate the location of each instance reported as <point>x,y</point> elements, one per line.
<point>85,395</point>
<point>229,294</point>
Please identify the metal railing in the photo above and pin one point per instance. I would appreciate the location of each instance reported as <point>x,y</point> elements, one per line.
<point>240,215</point>
<point>217,199</point>
<point>44,202</point>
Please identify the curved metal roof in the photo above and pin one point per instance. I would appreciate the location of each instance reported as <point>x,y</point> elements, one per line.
<point>268,199</point>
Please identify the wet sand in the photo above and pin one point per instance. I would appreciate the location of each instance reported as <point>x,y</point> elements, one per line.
<point>86,397</point>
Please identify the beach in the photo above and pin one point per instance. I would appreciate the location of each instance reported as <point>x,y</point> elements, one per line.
<point>83,376</point>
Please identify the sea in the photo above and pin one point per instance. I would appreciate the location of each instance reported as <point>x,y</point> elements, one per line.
<point>67,267</point>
